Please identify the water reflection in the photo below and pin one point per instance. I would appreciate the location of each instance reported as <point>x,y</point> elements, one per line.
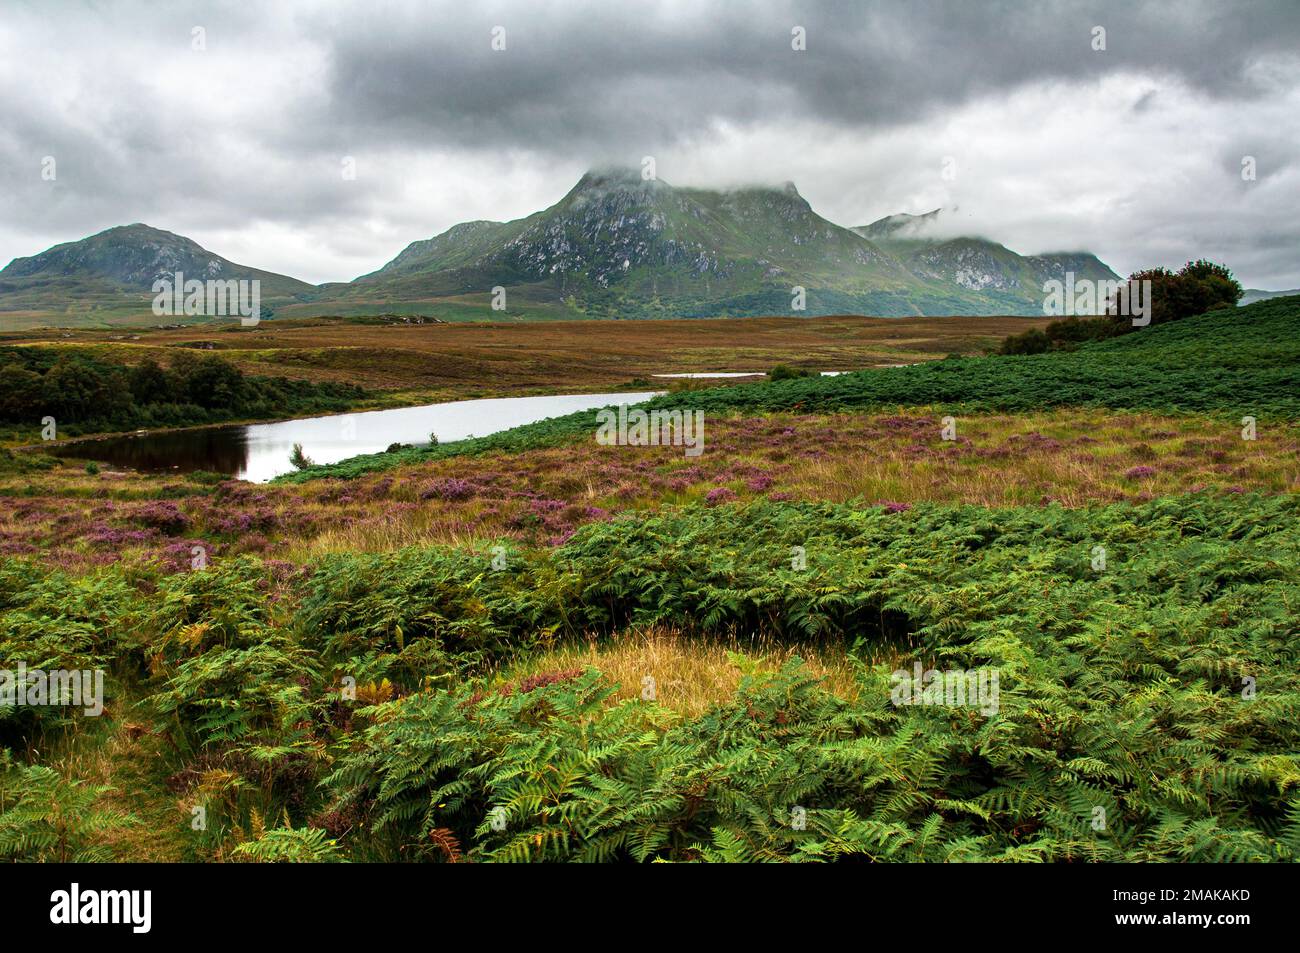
<point>218,449</point>
<point>259,452</point>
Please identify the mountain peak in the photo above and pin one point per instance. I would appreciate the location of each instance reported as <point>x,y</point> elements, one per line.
<point>609,179</point>
<point>900,225</point>
<point>612,174</point>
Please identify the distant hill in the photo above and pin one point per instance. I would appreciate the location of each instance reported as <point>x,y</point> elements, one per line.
<point>616,246</point>
<point>619,246</point>
<point>112,273</point>
<point>977,264</point>
<point>1254,294</point>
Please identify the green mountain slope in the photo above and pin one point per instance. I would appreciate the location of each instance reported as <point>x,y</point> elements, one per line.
<point>620,246</point>
<point>113,272</point>
<point>616,246</point>
<point>978,265</point>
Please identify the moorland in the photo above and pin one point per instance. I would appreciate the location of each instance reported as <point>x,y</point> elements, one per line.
<point>532,646</point>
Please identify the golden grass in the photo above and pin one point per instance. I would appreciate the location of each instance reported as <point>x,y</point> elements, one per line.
<point>124,756</point>
<point>421,528</point>
<point>1093,454</point>
<point>461,359</point>
<point>690,674</point>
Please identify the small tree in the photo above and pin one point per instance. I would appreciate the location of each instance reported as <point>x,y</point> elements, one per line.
<point>1199,286</point>
<point>299,459</point>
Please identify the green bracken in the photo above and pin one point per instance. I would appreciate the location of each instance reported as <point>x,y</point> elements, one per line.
<point>1161,689</point>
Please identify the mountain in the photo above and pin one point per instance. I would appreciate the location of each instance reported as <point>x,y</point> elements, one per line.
<point>113,272</point>
<point>620,246</point>
<point>1254,294</point>
<point>616,245</point>
<point>978,264</point>
<point>900,227</point>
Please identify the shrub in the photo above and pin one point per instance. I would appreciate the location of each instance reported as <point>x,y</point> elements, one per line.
<point>783,372</point>
<point>787,771</point>
<point>1199,286</point>
<point>85,393</point>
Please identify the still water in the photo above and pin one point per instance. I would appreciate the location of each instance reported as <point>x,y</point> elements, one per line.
<point>259,452</point>
<point>705,374</point>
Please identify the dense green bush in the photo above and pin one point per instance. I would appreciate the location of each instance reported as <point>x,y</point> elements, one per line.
<point>1066,335</point>
<point>1199,286</point>
<point>937,566</point>
<point>52,621</point>
<point>1122,689</point>
<point>788,771</point>
<point>233,675</point>
<point>288,845</point>
<point>256,698</point>
<point>783,372</point>
<point>420,613</point>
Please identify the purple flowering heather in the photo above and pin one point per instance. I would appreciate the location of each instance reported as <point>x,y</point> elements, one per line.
<point>449,488</point>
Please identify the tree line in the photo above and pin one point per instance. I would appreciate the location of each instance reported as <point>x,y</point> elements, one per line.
<point>89,393</point>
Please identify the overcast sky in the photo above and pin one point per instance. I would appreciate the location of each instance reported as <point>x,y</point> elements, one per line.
<point>1133,152</point>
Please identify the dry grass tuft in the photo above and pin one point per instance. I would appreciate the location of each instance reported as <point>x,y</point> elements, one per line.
<point>690,673</point>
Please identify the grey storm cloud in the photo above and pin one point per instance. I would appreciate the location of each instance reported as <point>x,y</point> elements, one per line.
<point>239,144</point>
<point>586,76</point>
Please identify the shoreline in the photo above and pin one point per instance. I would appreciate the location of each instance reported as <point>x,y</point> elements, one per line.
<point>156,431</point>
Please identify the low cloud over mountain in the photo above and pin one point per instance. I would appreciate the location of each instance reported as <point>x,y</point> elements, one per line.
<point>1006,112</point>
